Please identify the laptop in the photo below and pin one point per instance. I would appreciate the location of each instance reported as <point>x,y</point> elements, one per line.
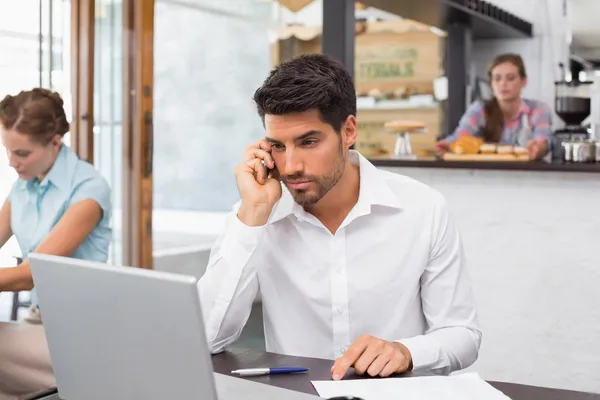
<point>127,333</point>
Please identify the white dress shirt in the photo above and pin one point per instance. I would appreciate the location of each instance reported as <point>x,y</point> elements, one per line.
<point>395,269</point>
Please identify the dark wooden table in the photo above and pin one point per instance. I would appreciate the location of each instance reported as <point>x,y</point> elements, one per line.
<point>319,369</point>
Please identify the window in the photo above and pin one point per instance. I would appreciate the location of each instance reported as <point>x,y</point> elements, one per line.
<point>27,62</point>
<point>203,111</point>
<point>108,108</point>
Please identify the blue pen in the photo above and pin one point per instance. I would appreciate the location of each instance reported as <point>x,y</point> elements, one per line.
<point>268,371</point>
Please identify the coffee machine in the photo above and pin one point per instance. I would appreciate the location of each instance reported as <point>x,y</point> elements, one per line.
<point>595,114</point>
<point>573,106</point>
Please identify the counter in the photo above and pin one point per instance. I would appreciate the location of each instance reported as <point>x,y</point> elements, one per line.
<point>490,165</point>
<point>531,239</point>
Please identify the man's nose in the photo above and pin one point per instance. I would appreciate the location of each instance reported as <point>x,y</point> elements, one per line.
<point>293,164</point>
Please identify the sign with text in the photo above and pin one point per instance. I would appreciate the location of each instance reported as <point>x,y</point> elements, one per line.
<point>392,61</point>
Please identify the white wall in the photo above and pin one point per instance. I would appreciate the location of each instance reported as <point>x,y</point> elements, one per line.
<point>531,240</point>
<point>541,54</point>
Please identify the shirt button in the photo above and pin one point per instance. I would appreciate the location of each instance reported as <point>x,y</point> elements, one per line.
<point>340,311</point>
<point>343,350</point>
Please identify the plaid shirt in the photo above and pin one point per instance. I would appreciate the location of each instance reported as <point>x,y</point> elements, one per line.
<point>534,121</point>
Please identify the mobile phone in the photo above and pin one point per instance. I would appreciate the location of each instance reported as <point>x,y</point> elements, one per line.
<point>267,169</point>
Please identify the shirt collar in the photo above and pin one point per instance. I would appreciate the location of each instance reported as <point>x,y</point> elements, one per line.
<point>374,191</point>
<point>61,173</point>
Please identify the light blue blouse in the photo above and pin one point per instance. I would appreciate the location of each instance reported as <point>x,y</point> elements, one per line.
<point>36,207</point>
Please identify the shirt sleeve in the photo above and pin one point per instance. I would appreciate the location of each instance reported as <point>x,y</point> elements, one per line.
<point>230,284</point>
<point>95,188</point>
<point>452,339</point>
<point>541,123</point>
<point>470,123</point>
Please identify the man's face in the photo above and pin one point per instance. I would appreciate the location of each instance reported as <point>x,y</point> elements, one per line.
<point>309,154</point>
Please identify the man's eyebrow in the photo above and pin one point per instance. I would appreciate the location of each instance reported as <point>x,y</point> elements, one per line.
<point>301,137</point>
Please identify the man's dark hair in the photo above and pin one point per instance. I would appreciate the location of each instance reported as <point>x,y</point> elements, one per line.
<point>306,83</point>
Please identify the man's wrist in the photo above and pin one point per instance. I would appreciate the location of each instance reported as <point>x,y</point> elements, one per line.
<point>406,353</point>
<point>254,214</point>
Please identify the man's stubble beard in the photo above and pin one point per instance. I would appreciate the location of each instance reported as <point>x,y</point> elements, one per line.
<point>323,183</point>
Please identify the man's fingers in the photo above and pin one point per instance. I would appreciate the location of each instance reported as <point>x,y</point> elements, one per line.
<point>261,144</point>
<point>372,356</point>
<point>264,144</point>
<point>252,153</point>
<point>396,364</point>
<point>377,365</point>
<point>372,352</point>
<point>342,364</point>
<point>260,147</point>
<point>258,169</point>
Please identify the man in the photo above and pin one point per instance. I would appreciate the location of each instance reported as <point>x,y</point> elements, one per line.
<point>353,263</point>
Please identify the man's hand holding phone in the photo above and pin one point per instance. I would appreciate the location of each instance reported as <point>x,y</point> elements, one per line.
<point>258,188</point>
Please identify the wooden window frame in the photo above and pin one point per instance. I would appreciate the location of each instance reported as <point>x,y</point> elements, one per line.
<point>82,78</point>
<point>138,48</point>
<point>138,19</point>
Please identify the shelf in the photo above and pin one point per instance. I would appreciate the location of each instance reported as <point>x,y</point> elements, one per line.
<point>487,21</point>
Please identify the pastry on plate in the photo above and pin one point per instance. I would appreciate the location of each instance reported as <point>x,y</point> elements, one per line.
<point>488,148</point>
<point>466,145</point>
<point>520,150</point>
<point>505,149</point>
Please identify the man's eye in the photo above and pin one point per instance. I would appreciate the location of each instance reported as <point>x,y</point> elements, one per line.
<point>309,142</point>
<point>276,146</point>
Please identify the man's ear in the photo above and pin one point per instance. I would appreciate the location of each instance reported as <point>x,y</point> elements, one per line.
<point>349,131</point>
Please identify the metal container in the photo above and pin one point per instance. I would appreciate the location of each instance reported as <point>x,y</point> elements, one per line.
<point>584,151</point>
<point>567,151</point>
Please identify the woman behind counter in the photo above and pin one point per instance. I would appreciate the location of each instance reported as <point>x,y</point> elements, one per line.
<point>507,118</point>
<point>60,205</point>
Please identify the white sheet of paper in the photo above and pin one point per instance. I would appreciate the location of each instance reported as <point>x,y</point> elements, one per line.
<point>467,386</point>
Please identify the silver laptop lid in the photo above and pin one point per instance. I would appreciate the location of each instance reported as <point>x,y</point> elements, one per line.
<point>122,332</point>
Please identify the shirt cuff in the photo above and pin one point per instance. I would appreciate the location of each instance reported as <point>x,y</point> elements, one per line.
<point>423,352</point>
<point>240,235</point>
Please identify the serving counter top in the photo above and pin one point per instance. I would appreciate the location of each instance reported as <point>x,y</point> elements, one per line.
<point>494,165</point>
<point>531,241</point>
